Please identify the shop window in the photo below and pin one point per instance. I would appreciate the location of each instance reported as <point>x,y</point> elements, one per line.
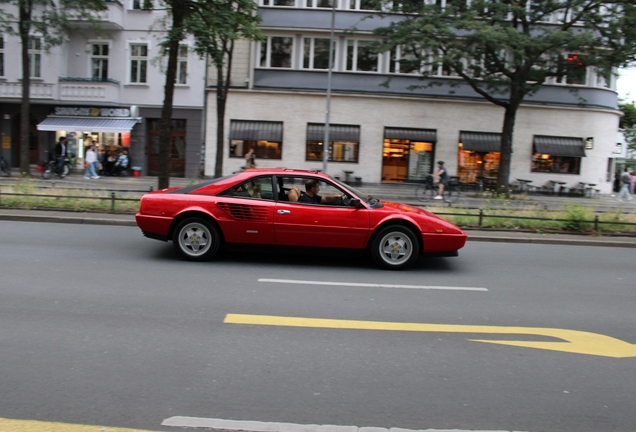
<point>361,57</point>
<point>265,137</point>
<point>35,57</point>
<point>99,61</point>
<point>276,52</point>
<point>316,53</point>
<point>262,149</point>
<point>556,164</point>
<point>138,63</point>
<point>339,151</point>
<point>477,166</point>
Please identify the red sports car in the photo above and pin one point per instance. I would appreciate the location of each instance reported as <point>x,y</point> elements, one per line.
<point>293,210</point>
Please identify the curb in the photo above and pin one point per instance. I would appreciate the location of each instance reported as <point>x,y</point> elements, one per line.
<point>552,241</point>
<point>68,220</point>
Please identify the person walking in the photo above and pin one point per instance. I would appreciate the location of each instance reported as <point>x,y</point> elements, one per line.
<point>632,185</point>
<point>61,152</point>
<point>91,163</point>
<point>250,159</point>
<point>626,179</point>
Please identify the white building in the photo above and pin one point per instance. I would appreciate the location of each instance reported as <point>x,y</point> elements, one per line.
<point>84,89</point>
<point>278,101</point>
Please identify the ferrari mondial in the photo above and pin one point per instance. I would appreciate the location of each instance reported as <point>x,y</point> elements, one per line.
<point>287,210</point>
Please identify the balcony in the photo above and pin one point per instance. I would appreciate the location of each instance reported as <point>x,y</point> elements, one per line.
<point>88,90</point>
<point>13,90</point>
<point>110,19</point>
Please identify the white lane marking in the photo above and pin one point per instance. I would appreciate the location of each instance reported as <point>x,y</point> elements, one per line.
<point>371,285</point>
<point>256,426</point>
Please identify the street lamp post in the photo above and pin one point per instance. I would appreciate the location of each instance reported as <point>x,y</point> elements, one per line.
<point>325,142</point>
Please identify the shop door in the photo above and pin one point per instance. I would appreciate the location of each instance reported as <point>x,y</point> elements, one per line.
<point>420,160</point>
<point>34,145</point>
<point>176,150</point>
<point>395,156</point>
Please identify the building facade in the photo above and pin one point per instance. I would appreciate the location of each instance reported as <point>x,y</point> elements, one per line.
<point>392,133</point>
<point>108,86</point>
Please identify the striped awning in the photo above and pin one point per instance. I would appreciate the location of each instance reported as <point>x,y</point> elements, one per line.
<point>559,146</point>
<point>87,124</point>
<point>481,142</point>
<point>420,135</point>
<point>316,132</point>
<point>256,130</point>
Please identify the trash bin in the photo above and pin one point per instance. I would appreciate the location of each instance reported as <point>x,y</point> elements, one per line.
<point>136,171</point>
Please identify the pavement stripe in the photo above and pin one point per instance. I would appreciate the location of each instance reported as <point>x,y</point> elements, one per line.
<point>371,285</point>
<point>256,426</point>
<point>12,425</point>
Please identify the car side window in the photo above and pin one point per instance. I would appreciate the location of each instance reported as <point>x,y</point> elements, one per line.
<point>259,187</point>
<point>293,189</point>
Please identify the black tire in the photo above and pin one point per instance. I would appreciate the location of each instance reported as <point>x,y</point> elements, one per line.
<point>424,193</point>
<point>394,247</point>
<point>196,239</point>
<point>451,195</point>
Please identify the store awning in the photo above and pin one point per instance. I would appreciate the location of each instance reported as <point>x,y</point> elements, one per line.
<point>316,132</point>
<point>481,142</point>
<point>87,124</point>
<point>559,146</point>
<point>418,135</point>
<point>256,131</point>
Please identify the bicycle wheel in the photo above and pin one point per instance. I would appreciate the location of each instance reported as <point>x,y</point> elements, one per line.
<point>424,193</point>
<point>48,171</point>
<point>451,194</point>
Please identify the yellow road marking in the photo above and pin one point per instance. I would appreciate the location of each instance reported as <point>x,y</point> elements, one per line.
<point>11,425</point>
<point>578,342</point>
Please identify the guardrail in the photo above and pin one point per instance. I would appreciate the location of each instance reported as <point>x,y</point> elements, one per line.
<point>113,198</point>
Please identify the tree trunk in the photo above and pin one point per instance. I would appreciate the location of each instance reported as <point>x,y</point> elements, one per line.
<point>510,115</point>
<point>222,87</point>
<point>166,111</point>
<point>24,26</point>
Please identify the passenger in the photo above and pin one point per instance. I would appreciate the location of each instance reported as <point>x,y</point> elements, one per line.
<point>312,187</point>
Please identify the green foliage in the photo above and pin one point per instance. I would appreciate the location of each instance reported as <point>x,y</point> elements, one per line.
<point>629,115</point>
<point>574,215</point>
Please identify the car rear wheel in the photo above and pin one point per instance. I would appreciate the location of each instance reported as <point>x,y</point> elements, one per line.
<point>196,239</point>
<point>394,247</point>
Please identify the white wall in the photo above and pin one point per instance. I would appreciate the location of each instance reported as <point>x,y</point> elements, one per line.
<point>448,117</point>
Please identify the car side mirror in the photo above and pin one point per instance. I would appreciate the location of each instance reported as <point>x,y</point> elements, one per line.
<point>356,203</point>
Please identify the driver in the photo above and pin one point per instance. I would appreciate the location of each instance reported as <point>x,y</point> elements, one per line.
<point>312,187</point>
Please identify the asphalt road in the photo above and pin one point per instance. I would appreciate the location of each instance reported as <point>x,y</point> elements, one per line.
<point>101,326</point>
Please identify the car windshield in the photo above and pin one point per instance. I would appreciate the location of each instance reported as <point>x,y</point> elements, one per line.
<point>373,202</point>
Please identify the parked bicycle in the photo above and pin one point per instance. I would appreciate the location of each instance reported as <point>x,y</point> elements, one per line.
<point>428,190</point>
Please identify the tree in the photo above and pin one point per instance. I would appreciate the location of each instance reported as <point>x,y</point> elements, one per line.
<point>507,49</point>
<point>628,123</point>
<point>50,20</point>
<point>215,32</point>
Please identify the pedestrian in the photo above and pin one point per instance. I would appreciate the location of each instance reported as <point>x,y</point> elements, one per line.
<point>61,152</point>
<point>442,173</point>
<point>91,163</point>
<point>250,159</point>
<point>632,185</point>
<point>121,164</point>
<point>626,180</point>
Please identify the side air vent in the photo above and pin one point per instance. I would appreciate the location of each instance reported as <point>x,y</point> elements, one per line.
<point>244,212</point>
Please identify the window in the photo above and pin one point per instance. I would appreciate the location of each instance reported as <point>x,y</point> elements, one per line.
<point>182,65</point>
<point>403,61</point>
<point>138,63</point>
<point>316,53</point>
<point>572,70</point>
<point>363,4</point>
<point>320,3</point>
<point>557,154</point>
<point>140,4</point>
<point>360,56</point>
<point>344,142</point>
<point>279,2</point>
<point>266,138</point>
<point>329,192</point>
<point>1,54</point>
<point>276,52</point>
<point>99,61</point>
<point>35,57</point>
<point>259,187</point>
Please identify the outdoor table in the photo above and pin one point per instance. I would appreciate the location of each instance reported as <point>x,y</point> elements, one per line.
<point>523,184</point>
<point>554,185</point>
<point>589,188</point>
<point>347,175</point>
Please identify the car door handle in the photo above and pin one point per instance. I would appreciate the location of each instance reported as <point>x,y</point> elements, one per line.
<point>284,212</point>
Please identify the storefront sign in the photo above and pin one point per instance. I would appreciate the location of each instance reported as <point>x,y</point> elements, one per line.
<point>92,112</point>
<point>6,142</point>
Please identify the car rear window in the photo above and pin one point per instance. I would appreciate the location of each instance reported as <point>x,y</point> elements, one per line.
<point>194,187</point>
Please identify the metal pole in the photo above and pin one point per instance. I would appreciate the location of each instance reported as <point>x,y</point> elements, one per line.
<point>325,141</point>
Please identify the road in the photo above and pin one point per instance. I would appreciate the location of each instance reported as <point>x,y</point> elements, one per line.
<point>100,326</point>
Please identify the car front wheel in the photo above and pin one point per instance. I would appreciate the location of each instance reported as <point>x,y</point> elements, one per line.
<point>394,247</point>
<point>196,239</point>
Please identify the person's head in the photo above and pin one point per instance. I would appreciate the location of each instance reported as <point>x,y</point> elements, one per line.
<point>440,163</point>
<point>63,140</point>
<point>250,151</point>
<point>312,187</point>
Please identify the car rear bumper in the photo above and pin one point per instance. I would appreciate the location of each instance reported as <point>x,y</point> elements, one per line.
<point>155,227</point>
<point>443,242</point>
